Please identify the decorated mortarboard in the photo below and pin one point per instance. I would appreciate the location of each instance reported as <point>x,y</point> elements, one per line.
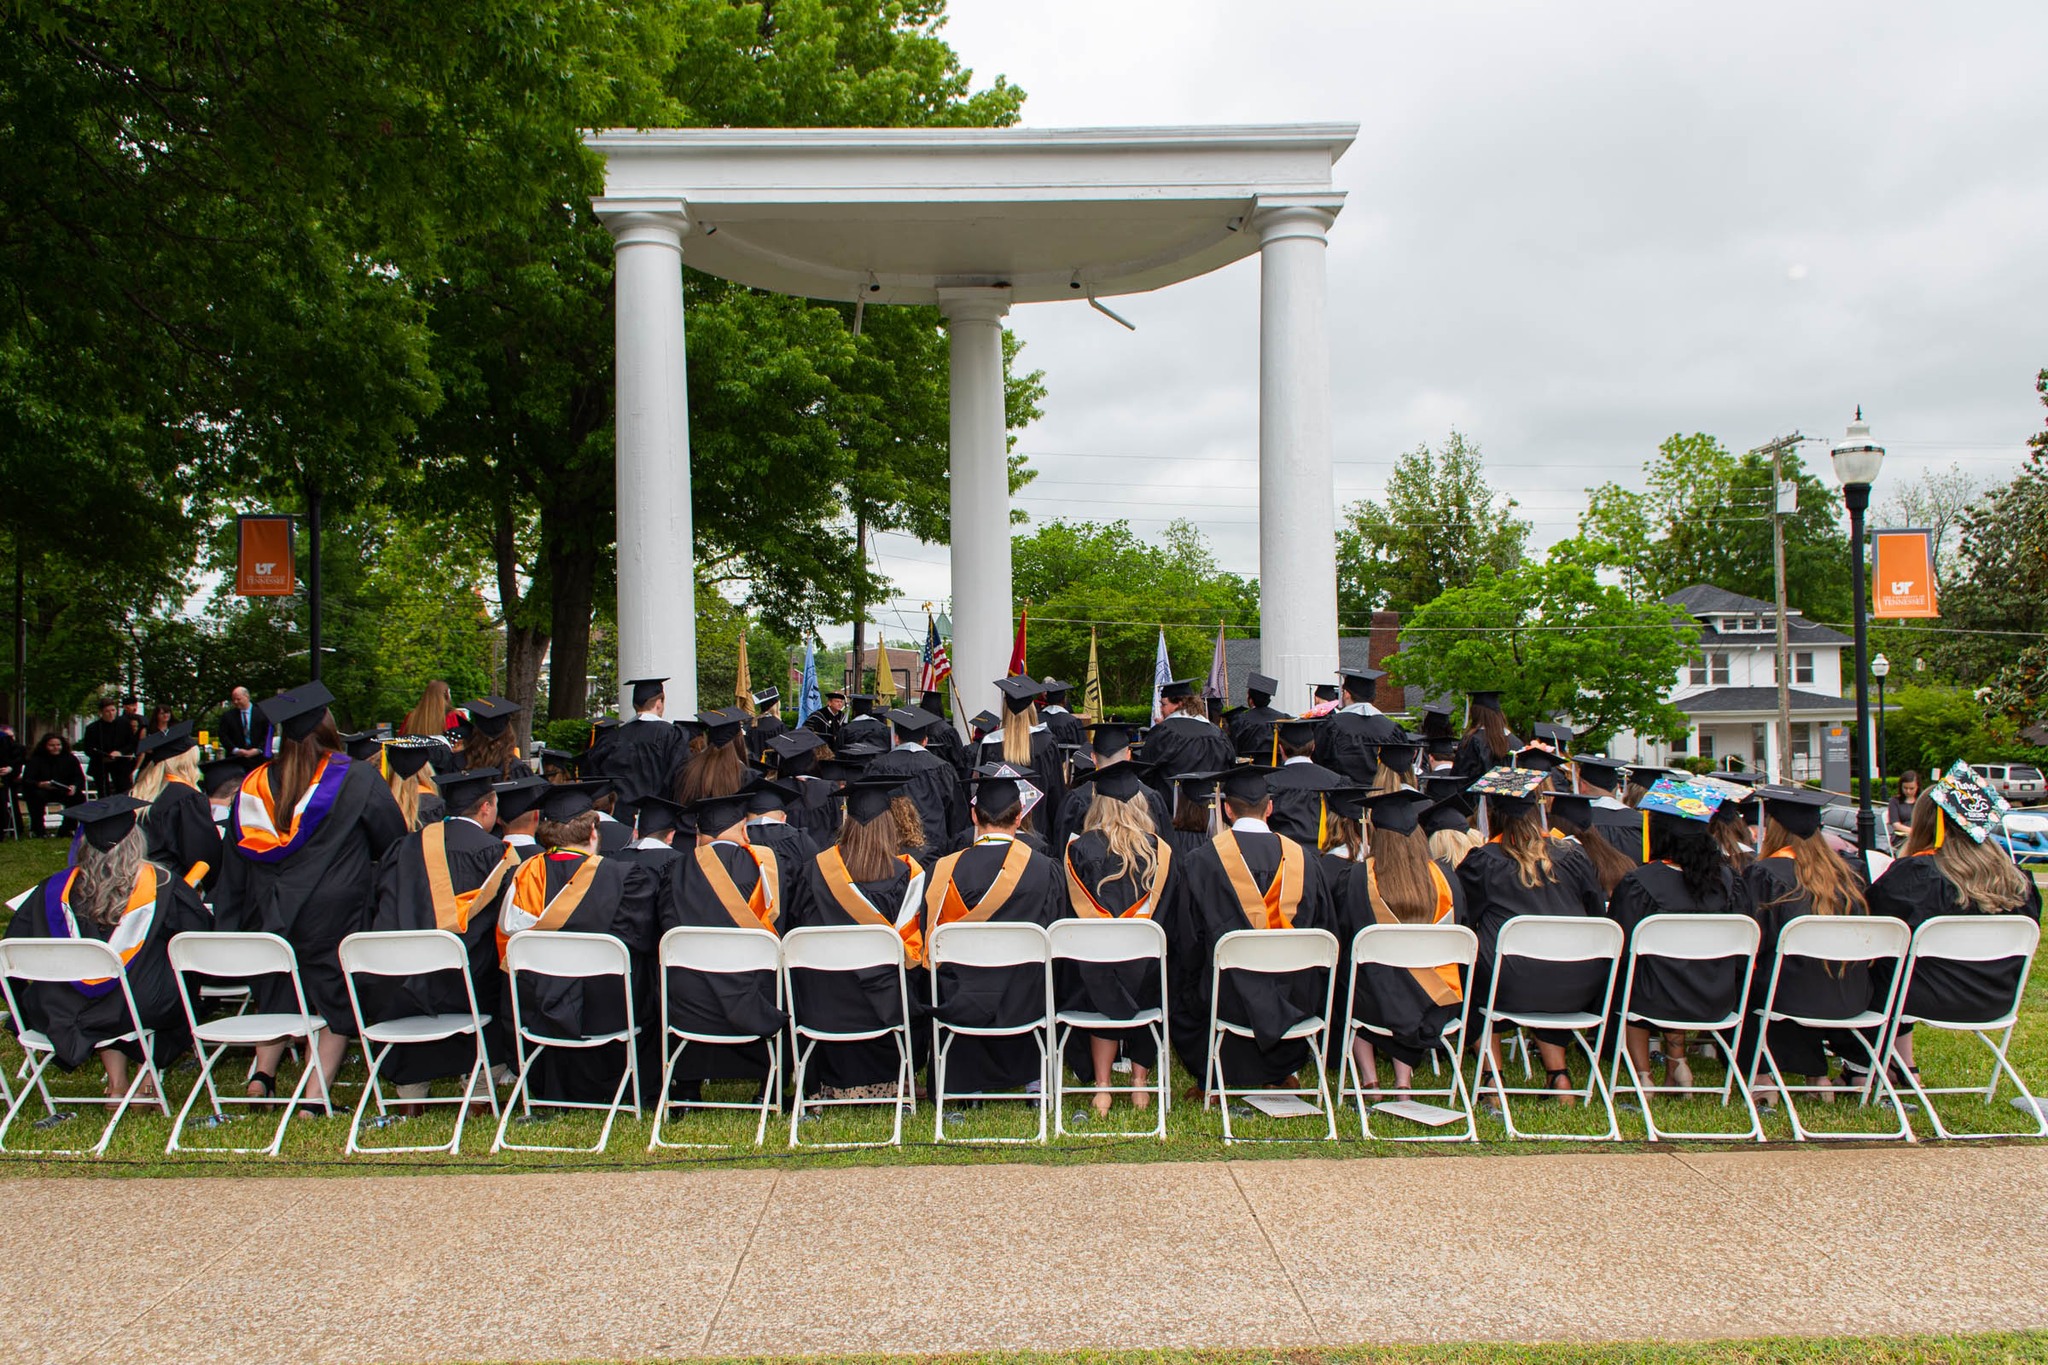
<point>492,714</point>
<point>407,754</point>
<point>720,727</point>
<point>769,698</point>
<point>1796,808</point>
<point>656,815</point>
<point>765,795</point>
<point>1537,759</point>
<point>517,797</point>
<point>1299,732</point>
<point>1399,811</point>
<point>561,801</point>
<point>1176,689</point>
<point>645,690</point>
<point>716,814</point>
<point>222,771</point>
<point>462,791</point>
<point>1965,798</point>
<point>363,747</point>
<point>1020,690</point>
<point>993,787</point>
<point>167,743</point>
<point>1513,784</point>
<point>1108,737</point>
<point>1055,690</point>
<point>868,798</point>
<point>1734,795</point>
<point>1596,771</point>
<point>1263,685</point>
<point>297,713</point>
<point>1684,800</point>
<point>107,821</point>
<point>985,721</point>
<point>1117,781</point>
<point>911,720</point>
<point>1247,782</point>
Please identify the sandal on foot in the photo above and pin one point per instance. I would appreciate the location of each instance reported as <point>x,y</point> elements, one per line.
<point>267,1080</point>
<point>1567,1096</point>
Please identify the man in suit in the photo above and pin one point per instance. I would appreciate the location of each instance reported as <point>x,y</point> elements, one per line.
<point>243,731</point>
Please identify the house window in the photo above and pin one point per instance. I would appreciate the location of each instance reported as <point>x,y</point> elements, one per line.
<point>1802,666</point>
<point>1678,746</point>
<point>1706,745</point>
<point>1719,669</point>
<point>1749,623</point>
<point>1698,672</point>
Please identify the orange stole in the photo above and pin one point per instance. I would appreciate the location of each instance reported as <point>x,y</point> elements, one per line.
<point>942,901</point>
<point>530,892</point>
<point>1275,907</point>
<point>757,911</point>
<point>832,867</point>
<point>452,907</point>
<point>1087,907</point>
<point>1441,983</point>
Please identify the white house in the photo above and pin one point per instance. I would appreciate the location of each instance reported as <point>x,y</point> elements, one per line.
<point>1729,690</point>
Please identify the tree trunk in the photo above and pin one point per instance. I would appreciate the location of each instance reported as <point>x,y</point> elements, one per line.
<point>572,575</point>
<point>524,644</point>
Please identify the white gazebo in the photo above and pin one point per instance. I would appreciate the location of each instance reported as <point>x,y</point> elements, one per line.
<point>975,221</point>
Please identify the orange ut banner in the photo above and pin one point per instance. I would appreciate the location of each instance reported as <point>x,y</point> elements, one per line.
<point>263,562</point>
<point>1902,574</point>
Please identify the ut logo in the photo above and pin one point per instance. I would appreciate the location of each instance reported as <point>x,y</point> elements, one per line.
<point>1900,589</point>
<point>265,568</point>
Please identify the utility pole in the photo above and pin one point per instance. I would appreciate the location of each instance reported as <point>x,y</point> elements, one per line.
<point>1784,501</point>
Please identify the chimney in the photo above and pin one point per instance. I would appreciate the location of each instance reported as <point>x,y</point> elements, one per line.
<point>1385,640</point>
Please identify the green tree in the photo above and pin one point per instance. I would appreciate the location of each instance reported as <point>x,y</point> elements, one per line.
<point>1074,573</point>
<point>1552,638</point>
<point>1995,614</point>
<point>1441,523</point>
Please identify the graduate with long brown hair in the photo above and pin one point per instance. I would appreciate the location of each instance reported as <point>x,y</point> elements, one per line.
<point>1400,884</point>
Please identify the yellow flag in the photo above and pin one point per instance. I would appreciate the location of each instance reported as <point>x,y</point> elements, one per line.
<point>885,677</point>
<point>743,682</point>
<point>1091,690</point>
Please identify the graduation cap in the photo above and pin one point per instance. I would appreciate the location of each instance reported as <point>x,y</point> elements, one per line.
<point>1537,759</point>
<point>1484,701</point>
<point>1055,690</point>
<point>1258,684</point>
<point>465,791</point>
<point>1594,771</point>
<point>1436,718</point>
<point>1020,690</point>
<point>1361,682</point>
<point>1106,737</point>
<point>1556,735</point>
<point>493,714</point>
<point>689,727</point>
<point>1245,783</point>
<point>1196,786</point>
<point>222,771</point>
<point>868,798</point>
<point>835,696</point>
<point>911,721</point>
<point>998,790</point>
<point>863,703</point>
<point>515,798</point>
<point>1117,781</point>
<point>1298,733</point>
<point>766,796</point>
<point>363,747</point>
<point>839,769</point>
<point>564,801</point>
<point>1177,689</point>
<point>1513,791</point>
<point>985,721</point>
<point>720,727</point>
<point>1347,803</point>
<point>656,815</point>
<point>297,713</point>
<point>556,760</point>
<point>769,698</point>
<point>645,690</point>
<point>1448,814</point>
<point>1324,691</point>
<point>1398,812</point>
<point>934,703</point>
<point>716,814</point>
<point>167,743</point>
<point>1442,746</point>
<point>1963,797</point>
<point>1400,754</point>
<point>409,753</point>
<point>1447,788</point>
<point>795,744</point>
<point>1572,808</point>
<point>1682,800</point>
<point>1796,808</point>
<point>1648,775</point>
<point>107,821</point>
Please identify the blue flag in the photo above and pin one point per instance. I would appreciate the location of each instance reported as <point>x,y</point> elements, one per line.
<point>807,698</point>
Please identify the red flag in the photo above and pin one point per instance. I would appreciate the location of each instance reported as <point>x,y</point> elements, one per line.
<point>1017,650</point>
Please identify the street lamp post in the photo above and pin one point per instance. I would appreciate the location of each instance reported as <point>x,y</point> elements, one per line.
<point>1879,667</point>
<point>1857,459</point>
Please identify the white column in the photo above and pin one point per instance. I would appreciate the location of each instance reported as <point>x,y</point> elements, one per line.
<point>657,555</point>
<point>982,628</point>
<point>1297,500</point>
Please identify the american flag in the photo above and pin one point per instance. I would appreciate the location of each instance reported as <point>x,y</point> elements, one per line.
<point>936,666</point>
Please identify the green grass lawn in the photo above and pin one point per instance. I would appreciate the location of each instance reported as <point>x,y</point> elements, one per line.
<point>314,1146</point>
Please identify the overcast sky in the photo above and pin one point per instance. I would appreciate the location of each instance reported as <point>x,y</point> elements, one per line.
<point>1572,230</point>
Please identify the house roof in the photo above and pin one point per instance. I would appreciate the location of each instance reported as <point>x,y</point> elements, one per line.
<point>1726,700</point>
<point>1704,600</point>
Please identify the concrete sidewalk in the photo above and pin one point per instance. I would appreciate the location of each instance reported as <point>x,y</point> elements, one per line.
<point>918,1259</point>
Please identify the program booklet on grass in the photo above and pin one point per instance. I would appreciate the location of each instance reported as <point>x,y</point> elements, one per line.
<point>1282,1106</point>
<point>1435,1115</point>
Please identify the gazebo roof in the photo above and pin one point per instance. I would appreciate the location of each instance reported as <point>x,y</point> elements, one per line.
<point>896,214</point>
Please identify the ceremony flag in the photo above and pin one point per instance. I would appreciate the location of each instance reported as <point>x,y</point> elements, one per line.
<point>1017,650</point>
<point>1091,690</point>
<point>1902,575</point>
<point>1162,673</point>
<point>885,676</point>
<point>1218,690</point>
<point>934,665</point>
<point>807,698</point>
<point>743,680</point>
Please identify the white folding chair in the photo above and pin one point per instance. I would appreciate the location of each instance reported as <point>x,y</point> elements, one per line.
<point>1691,938</point>
<point>1553,938</point>
<point>1105,941</point>
<point>1273,952</point>
<point>64,960</point>
<point>1837,938</point>
<point>991,945</point>
<point>243,956</point>
<point>403,953</point>
<point>1971,938</point>
<point>589,958</point>
<point>718,951</point>
<point>843,948</point>
<point>1405,947</point>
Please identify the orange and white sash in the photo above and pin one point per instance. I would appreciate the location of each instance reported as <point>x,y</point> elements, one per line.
<point>757,911</point>
<point>1087,907</point>
<point>1276,906</point>
<point>1441,983</point>
<point>943,903</point>
<point>907,922</point>
<point>527,905</point>
<point>128,936</point>
<point>452,907</point>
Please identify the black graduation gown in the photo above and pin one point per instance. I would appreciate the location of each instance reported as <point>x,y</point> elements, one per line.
<point>1668,988</point>
<point>1914,890</point>
<point>1391,997</point>
<point>1820,990</point>
<point>1074,811</point>
<point>986,997</point>
<point>823,722</point>
<point>1494,894</point>
<point>727,1003</point>
<point>405,900</point>
<point>103,738</point>
<point>620,902</point>
<point>764,728</point>
<point>655,860</point>
<point>319,894</point>
<point>934,788</point>
<point>1201,908</point>
<point>433,810</point>
<point>943,740</point>
<point>1048,773</point>
<point>791,844</point>
<point>74,1021</point>
<point>613,836</point>
<point>1117,989</point>
<point>1065,726</point>
<point>442,758</point>
<point>1251,732</point>
<point>1298,801</point>
<point>181,833</point>
<point>868,729</point>
<point>643,758</point>
<point>1185,744</point>
<point>1349,743</point>
<point>850,1002</point>
<point>1475,758</point>
<point>816,811</point>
